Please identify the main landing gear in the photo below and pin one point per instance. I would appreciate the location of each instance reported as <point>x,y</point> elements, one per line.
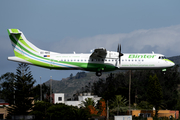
<point>98,73</point>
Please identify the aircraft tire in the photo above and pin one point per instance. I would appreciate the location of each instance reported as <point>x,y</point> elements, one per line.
<point>98,73</point>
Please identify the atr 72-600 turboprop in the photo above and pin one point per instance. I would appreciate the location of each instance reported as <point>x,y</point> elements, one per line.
<point>98,61</point>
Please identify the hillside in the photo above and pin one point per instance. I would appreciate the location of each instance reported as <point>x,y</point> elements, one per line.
<point>175,59</point>
<point>69,86</point>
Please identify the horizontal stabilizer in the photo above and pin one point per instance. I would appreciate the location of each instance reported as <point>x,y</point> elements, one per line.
<point>17,59</point>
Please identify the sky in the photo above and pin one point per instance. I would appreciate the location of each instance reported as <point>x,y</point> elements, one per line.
<point>67,25</point>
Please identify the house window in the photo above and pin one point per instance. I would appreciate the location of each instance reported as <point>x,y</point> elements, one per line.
<point>59,98</point>
<point>141,115</point>
<point>148,115</point>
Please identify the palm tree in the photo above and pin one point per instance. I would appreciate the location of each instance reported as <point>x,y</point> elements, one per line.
<point>90,105</point>
<point>119,104</point>
<point>87,102</point>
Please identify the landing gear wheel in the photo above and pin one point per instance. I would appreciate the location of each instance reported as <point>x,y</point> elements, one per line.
<point>98,73</point>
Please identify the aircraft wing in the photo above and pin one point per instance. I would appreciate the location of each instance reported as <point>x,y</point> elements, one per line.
<point>99,53</point>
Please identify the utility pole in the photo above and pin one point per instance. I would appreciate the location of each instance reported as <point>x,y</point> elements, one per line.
<point>107,111</point>
<point>14,91</point>
<point>40,90</point>
<point>50,90</point>
<point>129,91</point>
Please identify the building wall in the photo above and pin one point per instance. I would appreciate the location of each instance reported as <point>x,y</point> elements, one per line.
<point>161,113</point>
<point>82,98</point>
<point>58,98</point>
<point>3,112</point>
<point>74,103</point>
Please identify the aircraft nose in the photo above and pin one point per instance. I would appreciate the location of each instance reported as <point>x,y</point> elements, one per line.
<point>172,63</point>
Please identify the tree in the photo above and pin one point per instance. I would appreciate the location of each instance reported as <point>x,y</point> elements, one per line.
<point>90,105</point>
<point>145,105</point>
<point>23,91</point>
<point>118,104</point>
<point>45,91</point>
<point>81,114</point>
<point>40,110</point>
<point>87,102</point>
<point>61,111</point>
<point>102,107</point>
<point>169,81</point>
<point>110,87</point>
<point>154,93</point>
<point>7,87</point>
<point>80,75</point>
<point>71,76</point>
<point>45,111</point>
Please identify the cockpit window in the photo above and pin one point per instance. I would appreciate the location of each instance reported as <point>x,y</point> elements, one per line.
<point>162,57</point>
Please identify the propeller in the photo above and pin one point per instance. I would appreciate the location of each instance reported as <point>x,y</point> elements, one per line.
<point>119,51</point>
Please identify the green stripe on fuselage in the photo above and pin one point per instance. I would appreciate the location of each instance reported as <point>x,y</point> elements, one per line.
<point>168,60</point>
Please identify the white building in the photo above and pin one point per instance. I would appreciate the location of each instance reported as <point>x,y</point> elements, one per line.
<point>59,98</point>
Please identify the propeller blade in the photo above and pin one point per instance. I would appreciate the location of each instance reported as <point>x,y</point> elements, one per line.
<point>118,48</point>
<point>119,51</point>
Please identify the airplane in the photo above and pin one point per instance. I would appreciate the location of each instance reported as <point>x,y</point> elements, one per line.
<point>100,60</point>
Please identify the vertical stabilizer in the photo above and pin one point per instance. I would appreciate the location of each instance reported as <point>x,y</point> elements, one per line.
<point>20,44</point>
